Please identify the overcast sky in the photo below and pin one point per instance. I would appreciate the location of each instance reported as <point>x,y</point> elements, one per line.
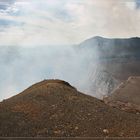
<point>42,22</point>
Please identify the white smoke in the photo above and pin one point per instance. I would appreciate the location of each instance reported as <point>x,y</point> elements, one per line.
<point>45,22</point>
<point>22,66</point>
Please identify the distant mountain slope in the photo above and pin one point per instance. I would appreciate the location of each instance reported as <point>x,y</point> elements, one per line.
<point>112,49</point>
<point>113,60</point>
<point>126,96</point>
<point>54,108</point>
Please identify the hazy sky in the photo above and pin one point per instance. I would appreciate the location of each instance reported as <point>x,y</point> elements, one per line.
<point>26,25</point>
<point>40,22</point>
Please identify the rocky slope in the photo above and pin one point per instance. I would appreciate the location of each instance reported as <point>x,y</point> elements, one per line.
<point>53,108</point>
<point>116,60</point>
<point>126,96</point>
<point>103,83</point>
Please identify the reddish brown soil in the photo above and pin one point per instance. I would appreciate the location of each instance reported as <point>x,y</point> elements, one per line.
<point>53,108</point>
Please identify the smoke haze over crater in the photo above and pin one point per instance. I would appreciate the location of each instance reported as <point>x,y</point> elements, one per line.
<point>21,67</point>
<point>34,34</point>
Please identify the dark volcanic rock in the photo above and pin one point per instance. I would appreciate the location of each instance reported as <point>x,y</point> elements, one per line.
<point>118,49</point>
